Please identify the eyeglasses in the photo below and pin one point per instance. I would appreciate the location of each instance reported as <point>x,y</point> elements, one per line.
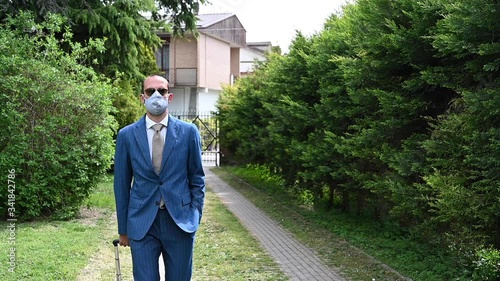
<point>150,91</point>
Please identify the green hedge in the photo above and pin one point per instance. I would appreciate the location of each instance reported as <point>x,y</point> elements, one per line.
<point>55,126</point>
<point>391,111</point>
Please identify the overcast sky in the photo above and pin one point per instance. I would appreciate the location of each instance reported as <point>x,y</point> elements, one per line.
<point>276,20</point>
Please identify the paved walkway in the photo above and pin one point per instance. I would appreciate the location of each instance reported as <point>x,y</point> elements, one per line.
<point>296,260</point>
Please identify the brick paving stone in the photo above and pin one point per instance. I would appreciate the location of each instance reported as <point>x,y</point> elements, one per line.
<point>296,260</point>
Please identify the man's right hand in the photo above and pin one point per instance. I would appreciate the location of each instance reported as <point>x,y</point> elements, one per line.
<point>124,240</point>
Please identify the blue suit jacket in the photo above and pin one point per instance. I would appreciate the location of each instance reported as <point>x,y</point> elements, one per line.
<point>138,188</point>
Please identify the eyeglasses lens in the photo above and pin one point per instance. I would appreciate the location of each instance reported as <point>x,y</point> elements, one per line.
<point>150,91</point>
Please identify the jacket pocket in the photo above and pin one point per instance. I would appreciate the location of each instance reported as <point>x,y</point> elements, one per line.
<point>186,198</point>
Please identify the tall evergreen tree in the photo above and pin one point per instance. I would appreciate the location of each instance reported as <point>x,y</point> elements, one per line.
<point>125,25</point>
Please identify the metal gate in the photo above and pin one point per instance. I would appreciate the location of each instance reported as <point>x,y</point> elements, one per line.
<point>208,126</point>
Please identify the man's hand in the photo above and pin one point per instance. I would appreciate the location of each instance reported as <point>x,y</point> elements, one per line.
<point>124,240</point>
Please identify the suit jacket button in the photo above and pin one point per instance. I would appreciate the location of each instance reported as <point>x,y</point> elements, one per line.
<point>157,203</point>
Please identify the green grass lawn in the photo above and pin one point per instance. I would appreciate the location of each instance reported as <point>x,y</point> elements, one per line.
<point>81,249</point>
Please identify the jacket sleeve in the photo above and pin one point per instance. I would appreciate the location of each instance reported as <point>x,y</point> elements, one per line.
<point>122,181</point>
<point>195,173</point>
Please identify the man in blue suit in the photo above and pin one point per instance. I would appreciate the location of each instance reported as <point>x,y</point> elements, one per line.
<point>159,187</point>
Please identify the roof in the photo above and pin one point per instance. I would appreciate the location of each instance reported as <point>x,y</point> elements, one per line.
<point>263,43</point>
<point>206,20</point>
<point>260,47</point>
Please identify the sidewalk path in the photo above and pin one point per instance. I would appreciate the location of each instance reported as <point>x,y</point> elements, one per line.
<point>296,260</point>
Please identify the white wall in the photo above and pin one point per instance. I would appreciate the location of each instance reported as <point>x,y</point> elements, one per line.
<point>180,102</point>
<point>247,59</point>
<point>207,100</point>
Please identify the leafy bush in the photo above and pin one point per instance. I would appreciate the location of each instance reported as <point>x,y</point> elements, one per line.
<point>55,127</point>
<point>487,265</point>
<point>392,110</point>
<point>127,102</point>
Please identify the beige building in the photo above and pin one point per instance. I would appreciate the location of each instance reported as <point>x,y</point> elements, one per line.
<point>198,68</point>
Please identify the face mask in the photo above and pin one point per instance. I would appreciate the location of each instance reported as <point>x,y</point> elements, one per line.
<point>156,104</point>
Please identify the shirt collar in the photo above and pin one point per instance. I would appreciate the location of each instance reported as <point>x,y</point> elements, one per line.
<point>150,123</point>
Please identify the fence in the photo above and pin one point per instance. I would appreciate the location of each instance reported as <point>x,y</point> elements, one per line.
<point>208,126</point>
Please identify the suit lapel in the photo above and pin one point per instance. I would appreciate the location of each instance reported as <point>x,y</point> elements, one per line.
<point>170,139</point>
<point>141,137</point>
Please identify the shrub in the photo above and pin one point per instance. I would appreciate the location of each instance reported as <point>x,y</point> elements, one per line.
<point>56,131</point>
<point>487,265</point>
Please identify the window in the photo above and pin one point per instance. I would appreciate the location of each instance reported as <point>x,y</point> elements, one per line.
<point>163,58</point>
